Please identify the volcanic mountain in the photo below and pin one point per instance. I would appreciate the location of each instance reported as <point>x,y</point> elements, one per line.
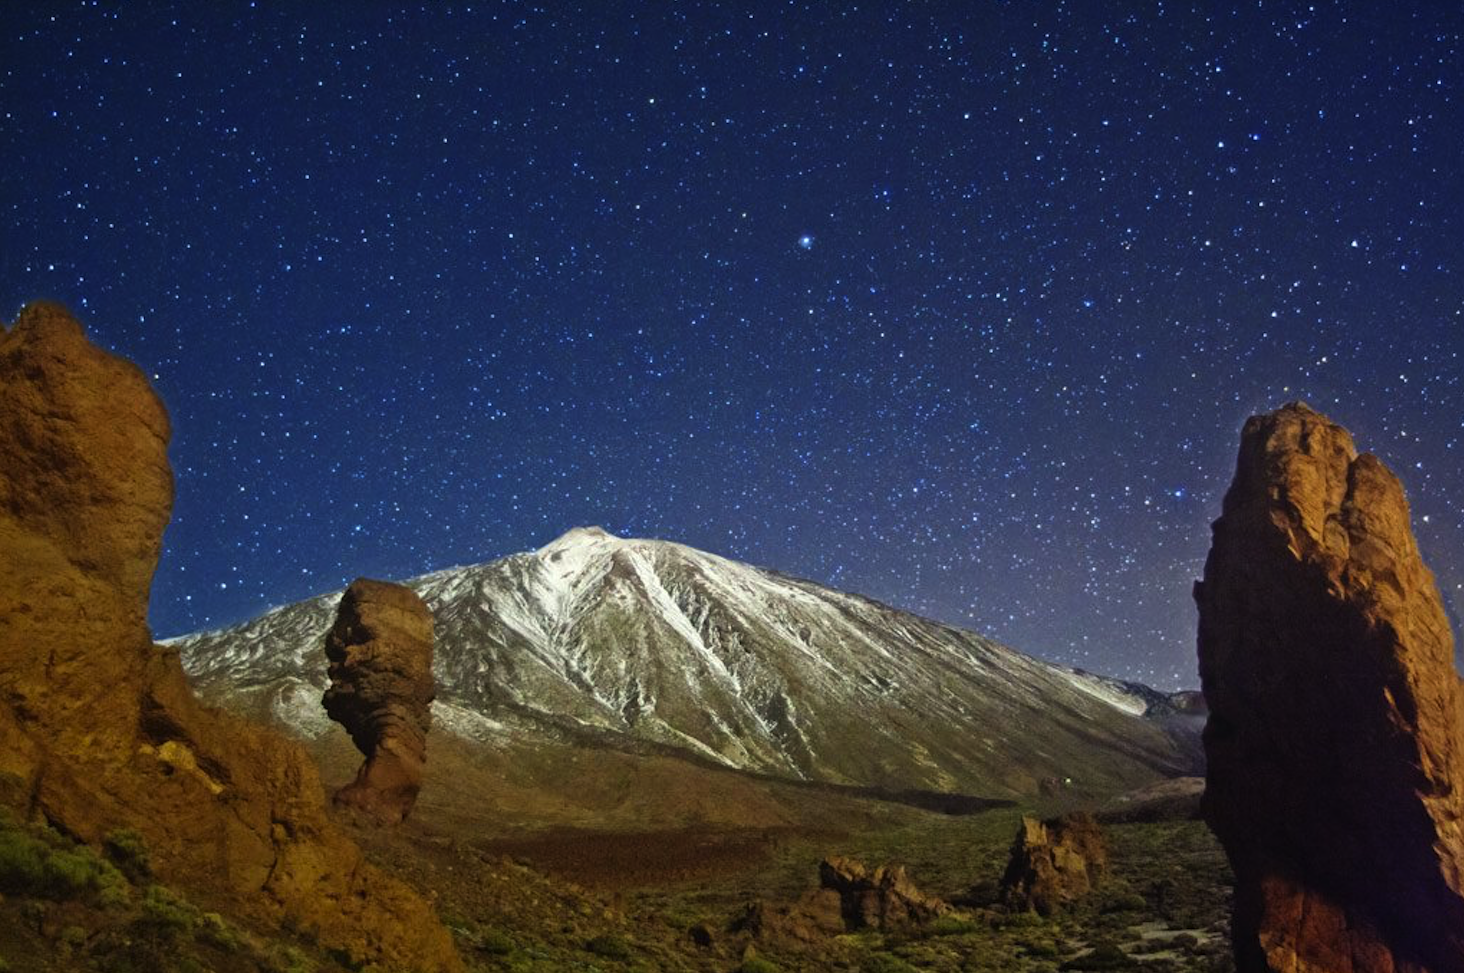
<point>648,645</point>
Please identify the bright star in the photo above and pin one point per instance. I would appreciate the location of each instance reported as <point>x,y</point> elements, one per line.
<point>806,242</point>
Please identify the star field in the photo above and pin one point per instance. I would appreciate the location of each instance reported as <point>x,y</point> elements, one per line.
<point>958,306</point>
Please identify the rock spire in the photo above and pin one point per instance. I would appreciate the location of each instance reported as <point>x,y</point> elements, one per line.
<point>98,727</point>
<point>381,690</point>
<point>1335,740</point>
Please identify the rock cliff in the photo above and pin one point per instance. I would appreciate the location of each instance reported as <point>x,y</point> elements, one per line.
<point>1335,741</point>
<point>98,727</point>
<point>381,689</point>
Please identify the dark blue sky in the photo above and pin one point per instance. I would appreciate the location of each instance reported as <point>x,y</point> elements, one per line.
<point>960,306</point>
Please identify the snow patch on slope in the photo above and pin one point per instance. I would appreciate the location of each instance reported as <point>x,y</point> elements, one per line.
<point>1103,689</point>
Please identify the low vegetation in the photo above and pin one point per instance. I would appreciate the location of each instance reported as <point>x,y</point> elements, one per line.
<point>1163,907</point>
<point>67,907</point>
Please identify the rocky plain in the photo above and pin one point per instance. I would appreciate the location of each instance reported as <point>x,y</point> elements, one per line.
<point>142,828</point>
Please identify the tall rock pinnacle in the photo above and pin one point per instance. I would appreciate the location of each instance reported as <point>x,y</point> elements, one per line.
<point>381,690</point>
<point>1336,733</point>
<point>98,727</point>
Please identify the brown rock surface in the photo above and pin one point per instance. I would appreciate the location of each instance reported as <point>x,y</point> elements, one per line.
<point>381,690</point>
<point>879,898</point>
<point>1054,862</point>
<point>98,727</point>
<point>850,897</point>
<point>815,916</point>
<point>1336,732</point>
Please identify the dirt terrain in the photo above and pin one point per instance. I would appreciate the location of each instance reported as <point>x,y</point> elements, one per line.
<point>595,860</point>
<point>589,860</point>
<point>638,859</point>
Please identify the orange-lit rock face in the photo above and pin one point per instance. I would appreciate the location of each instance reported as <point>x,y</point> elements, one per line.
<point>98,727</point>
<point>878,898</point>
<point>850,897</point>
<point>85,492</point>
<point>381,690</point>
<point>1335,737</point>
<point>1054,863</point>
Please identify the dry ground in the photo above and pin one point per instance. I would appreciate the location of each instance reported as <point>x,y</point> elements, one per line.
<point>573,858</point>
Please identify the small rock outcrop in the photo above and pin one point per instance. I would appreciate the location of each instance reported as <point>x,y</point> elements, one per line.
<point>99,729</point>
<point>815,916</point>
<point>381,691</point>
<point>1335,741</point>
<point>1054,863</point>
<point>879,898</point>
<point>850,897</point>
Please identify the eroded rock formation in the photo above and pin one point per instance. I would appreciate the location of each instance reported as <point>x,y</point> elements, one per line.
<point>98,727</point>
<point>1336,732</point>
<point>879,898</point>
<point>1054,863</point>
<point>850,897</point>
<point>381,689</point>
<point>815,916</point>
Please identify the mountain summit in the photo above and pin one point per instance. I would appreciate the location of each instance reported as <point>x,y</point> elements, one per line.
<point>646,643</point>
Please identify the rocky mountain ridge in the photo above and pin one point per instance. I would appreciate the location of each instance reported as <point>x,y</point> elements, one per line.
<point>654,643</point>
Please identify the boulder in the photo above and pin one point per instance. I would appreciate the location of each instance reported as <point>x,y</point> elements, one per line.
<point>1054,863</point>
<point>1336,728</point>
<point>879,898</point>
<point>814,917</point>
<point>381,691</point>
<point>99,729</point>
<point>850,897</point>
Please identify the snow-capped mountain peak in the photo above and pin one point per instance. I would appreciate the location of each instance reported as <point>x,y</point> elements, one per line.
<point>577,538</point>
<point>651,642</point>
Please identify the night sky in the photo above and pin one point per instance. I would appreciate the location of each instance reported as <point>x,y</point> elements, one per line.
<point>960,306</point>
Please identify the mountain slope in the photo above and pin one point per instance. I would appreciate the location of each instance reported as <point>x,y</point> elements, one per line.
<point>641,642</point>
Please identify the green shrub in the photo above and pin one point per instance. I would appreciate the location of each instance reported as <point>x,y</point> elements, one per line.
<point>950,926</point>
<point>885,963</point>
<point>32,866</point>
<point>495,942</point>
<point>167,913</point>
<point>22,863</point>
<point>756,964</point>
<point>1041,948</point>
<point>1126,902</point>
<point>215,929</point>
<point>1104,956</point>
<point>456,923</point>
<point>115,896</point>
<point>128,852</point>
<point>290,960</point>
<point>680,919</point>
<point>610,947</point>
<point>70,873</point>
